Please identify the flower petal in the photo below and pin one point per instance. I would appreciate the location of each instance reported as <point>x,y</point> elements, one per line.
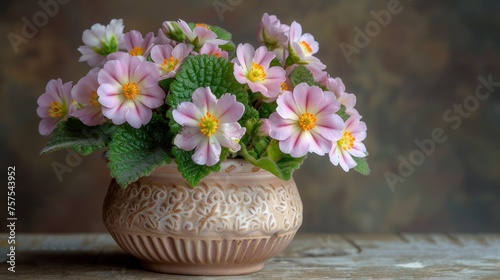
<point>330,127</point>
<point>281,128</point>
<point>47,125</point>
<point>228,134</point>
<point>187,114</point>
<point>228,110</point>
<point>287,107</point>
<point>358,150</point>
<point>189,138</point>
<point>138,114</point>
<point>296,145</point>
<point>207,152</point>
<point>204,99</point>
<point>317,143</point>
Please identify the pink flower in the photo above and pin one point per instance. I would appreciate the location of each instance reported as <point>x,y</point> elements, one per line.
<point>168,59</point>
<point>54,105</point>
<point>305,121</point>
<point>349,144</point>
<point>196,37</point>
<point>211,49</point>
<point>129,90</point>
<point>271,32</point>
<point>252,67</point>
<point>100,41</point>
<point>336,86</point>
<point>135,45</point>
<point>85,93</point>
<point>208,124</point>
<point>302,47</point>
<point>274,35</point>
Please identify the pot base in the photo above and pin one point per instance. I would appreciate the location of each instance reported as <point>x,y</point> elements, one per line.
<point>230,224</point>
<point>181,255</point>
<point>198,269</point>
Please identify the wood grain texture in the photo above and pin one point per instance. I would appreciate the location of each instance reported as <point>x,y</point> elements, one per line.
<point>309,256</point>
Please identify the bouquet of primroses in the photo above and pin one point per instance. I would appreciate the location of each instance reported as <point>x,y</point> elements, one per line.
<point>191,95</point>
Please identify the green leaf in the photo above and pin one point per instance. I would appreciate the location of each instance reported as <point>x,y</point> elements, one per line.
<point>223,35</point>
<point>192,172</point>
<point>362,166</point>
<point>302,75</point>
<point>341,112</point>
<point>274,152</point>
<point>267,109</point>
<point>165,84</point>
<point>73,134</point>
<point>283,168</point>
<point>134,153</point>
<point>202,71</point>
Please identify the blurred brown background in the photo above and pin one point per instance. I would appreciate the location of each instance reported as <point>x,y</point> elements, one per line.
<point>427,58</point>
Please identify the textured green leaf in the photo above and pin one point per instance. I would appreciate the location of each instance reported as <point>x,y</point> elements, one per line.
<point>283,168</point>
<point>207,70</point>
<point>267,109</point>
<point>192,172</point>
<point>134,153</point>
<point>362,166</point>
<point>73,134</point>
<point>302,75</point>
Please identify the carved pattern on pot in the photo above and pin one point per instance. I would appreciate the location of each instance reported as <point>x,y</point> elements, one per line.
<point>266,208</point>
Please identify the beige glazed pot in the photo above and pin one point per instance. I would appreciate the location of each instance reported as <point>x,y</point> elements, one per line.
<point>231,223</point>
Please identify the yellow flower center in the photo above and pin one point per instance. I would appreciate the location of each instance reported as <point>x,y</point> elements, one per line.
<point>208,125</point>
<point>136,51</point>
<point>56,109</point>
<point>305,47</point>
<point>93,99</point>
<point>284,86</point>
<point>307,121</point>
<point>130,90</point>
<point>169,64</point>
<point>347,141</point>
<point>203,25</point>
<point>257,73</point>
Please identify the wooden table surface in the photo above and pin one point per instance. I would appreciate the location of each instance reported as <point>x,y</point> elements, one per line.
<point>310,256</point>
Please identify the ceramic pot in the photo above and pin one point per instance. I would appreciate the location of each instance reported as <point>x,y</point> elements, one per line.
<point>231,223</point>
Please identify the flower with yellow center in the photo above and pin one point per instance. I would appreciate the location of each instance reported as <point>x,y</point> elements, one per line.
<point>136,45</point>
<point>129,90</point>
<point>93,99</point>
<point>306,48</point>
<point>251,67</point>
<point>196,37</point>
<point>208,124</point>
<point>256,73</point>
<point>302,48</point>
<point>54,106</point>
<point>349,145</point>
<point>169,64</point>
<point>305,121</point>
<point>347,141</point>
<point>85,95</point>
<point>168,58</point>
<point>136,51</point>
<point>56,109</point>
